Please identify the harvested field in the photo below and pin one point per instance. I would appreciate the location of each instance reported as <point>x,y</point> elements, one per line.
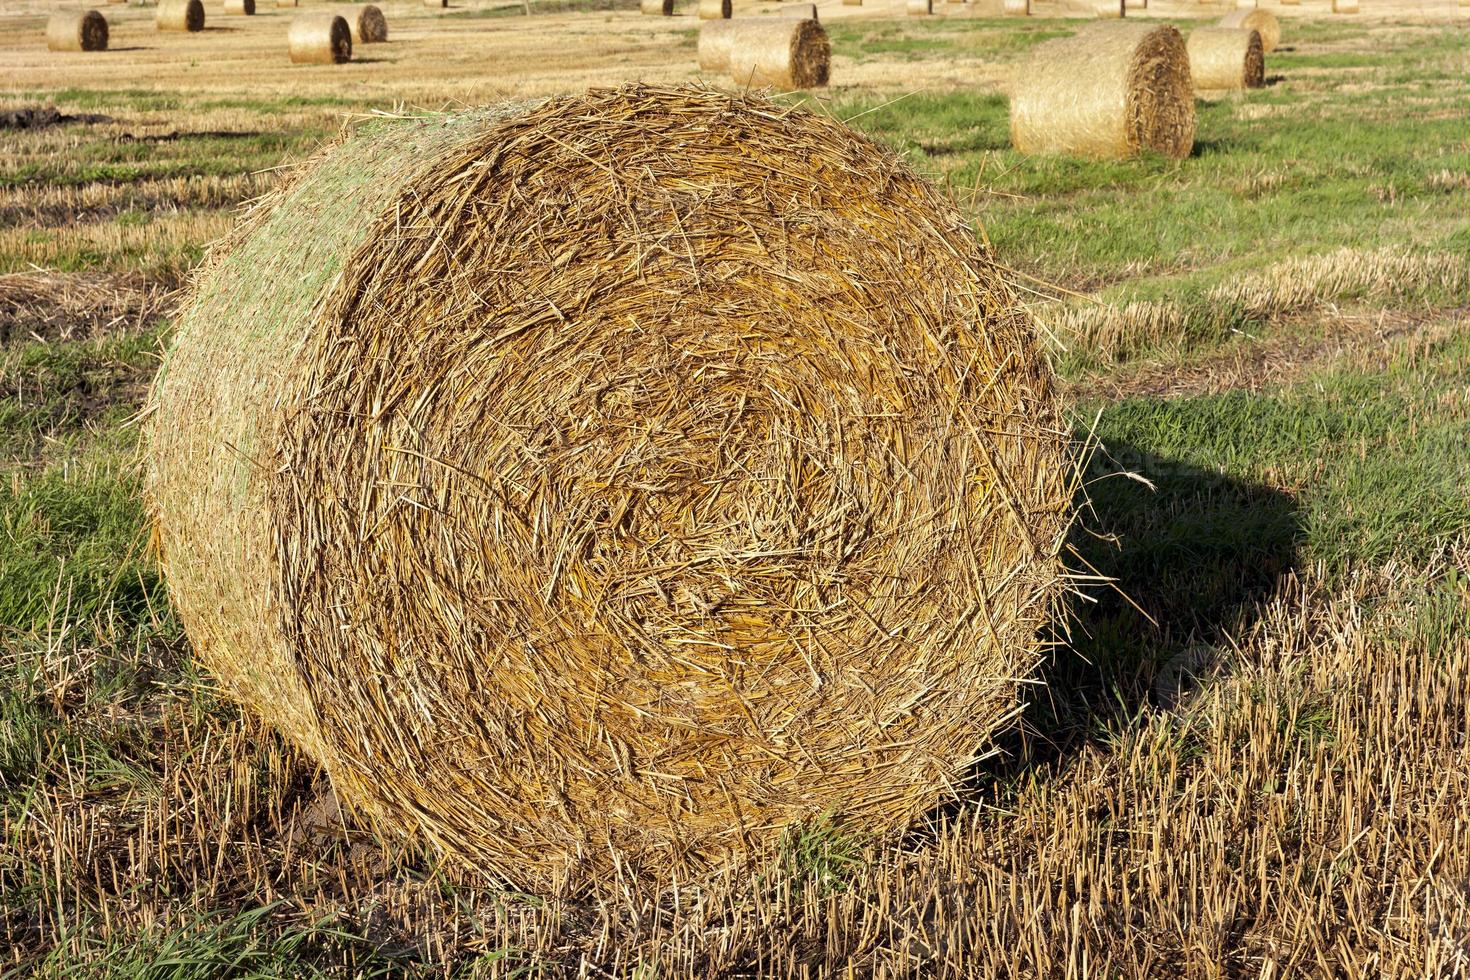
<point>1241,754</point>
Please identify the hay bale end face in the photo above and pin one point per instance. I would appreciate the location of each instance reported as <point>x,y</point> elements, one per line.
<point>243,7</point>
<point>1263,22</point>
<point>726,513</point>
<point>779,52</point>
<point>319,39</point>
<point>1111,90</point>
<point>179,15</point>
<point>1226,58</point>
<point>714,9</point>
<point>367,23</point>
<point>657,8</point>
<point>76,30</point>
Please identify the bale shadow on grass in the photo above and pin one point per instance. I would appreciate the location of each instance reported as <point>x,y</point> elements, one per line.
<point>1191,555</point>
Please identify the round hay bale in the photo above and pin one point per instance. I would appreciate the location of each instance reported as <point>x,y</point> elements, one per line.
<point>657,8</point>
<point>616,479</point>
<point>286,3</point>
<point>1263,22</point>
<point>780,52</point>
<point>714,9</point>
<point>1111,90</point>
<point>179,15</point>
<point>1016,8</point>
<point>1226,58</point>
<point>1344,6</point>
<point>243,7</point>
<point>436,3</point>
<point>76,30</point>
<point>800,11</point>
<point>1111,9</point>
<point>367,23</point>
<point>319,39</point>
<point>919,8</point>
<point>859,3</point>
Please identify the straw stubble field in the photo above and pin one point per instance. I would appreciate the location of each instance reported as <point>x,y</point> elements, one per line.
<point>1248,756</point>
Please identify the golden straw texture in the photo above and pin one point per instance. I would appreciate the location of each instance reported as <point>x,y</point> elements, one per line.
<point>919,8</point>
<point>244,7</point>
<point>320,39</point>
<point>1262,22</point>
<point>1225,58</point>
<point>286,3</point>
<point>657,8</point>
<point>714,9</point>
<point>76,30</point>
<point>367,23</point>
<point>603,486</point>
<point>859,3</point>
<point>1109,9</point>
<point>179,15</point>
<point>779,52</point>
<point>1111,90</point>
<point>1016,8</point>
<point>1344,6</point>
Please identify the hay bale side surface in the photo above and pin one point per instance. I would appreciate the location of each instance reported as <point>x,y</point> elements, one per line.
<point>919,8</point>
<point>859,3</point>
<point>1262,22</point>
<point>1016,8</point>
<point>714,9</point>
<point>657,8</point>
<point>1344,6</point>
<point>281,4</point>
<point>1110,9</point>
<point>368,24</point>
<point>779,52</point>
<point>243,7</point>
<point>1223,58</point>
<point>1111,90</point>
<point>319,39</point>
<point>76,30</point>
<point>773,514</point>
<point>798,11</point>
<point>179,15</point>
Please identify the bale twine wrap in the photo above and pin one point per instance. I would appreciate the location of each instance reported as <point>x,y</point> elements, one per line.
<point>767,51</point>
<point>179,15</point>
<point>1016,8</point>
<point>919,8</point>
<point>714,9</point>
<point>1263,22</point>
<point>367,23</point>
<point>631,474</point>
<point>76,30</point>
<point>1226,58</point>
<point>798,11</point>
<point>320,39</point>
<point>657,8</point>
<point>1110,90</point>
<point>244,7</point>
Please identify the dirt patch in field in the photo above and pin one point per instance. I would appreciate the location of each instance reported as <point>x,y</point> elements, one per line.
<point>44,117</point>
<point>51,306</point>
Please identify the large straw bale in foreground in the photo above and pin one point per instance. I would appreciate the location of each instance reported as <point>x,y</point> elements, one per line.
<point>319,39</point>
<point>367,23</point>
<point>1111,90</point>
<point>772,51</point>
<point>631,474</point>
<point>76,30</point>
<point>1262,22</point>
<point>179,15</point>
<point>1222,58</point>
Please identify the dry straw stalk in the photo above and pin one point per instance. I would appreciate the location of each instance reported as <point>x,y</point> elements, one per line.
<point>368,24</point>
<point>1262,22</point>
<point>319,39</point>
<point>1222,58</point>
<point>597,487</point>
<point>1111,90</point>
<point>243,7</point>
<point>657,8</point>
<point>179,15</point>
<point>76,30</point>
<point>714,9</point>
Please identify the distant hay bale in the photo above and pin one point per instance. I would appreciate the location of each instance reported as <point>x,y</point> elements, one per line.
<point>319,39</point>
<point>367,23</point>
<point>439,4</point>
<point>657,8</point>
<point>1263,22</point>
<point>546,497</point>
<point>286,3</point>
<point>179,15</point>
<point>714,9</point>
<point>243,7</point>
<point>919,8</point>
<point>1111,90</point>
<point>859,3</point>
<point>1344,6</point>
<point>800,11</point>
<point>1226,58</point>
<point>76,30</point>
<point>1109,9</point>
<point>761,51</point>
<point>1016,8</point>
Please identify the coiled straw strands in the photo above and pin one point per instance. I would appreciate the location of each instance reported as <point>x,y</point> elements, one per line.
<point>76,30</point>
<point>179,15</point>
<point>767,51</point>
<point>1226,58</point>
<point>650,467</point>
<point>1111,90</point>
<point>367,23</point>
<point>320,39</point>
<point>1262,22</point>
